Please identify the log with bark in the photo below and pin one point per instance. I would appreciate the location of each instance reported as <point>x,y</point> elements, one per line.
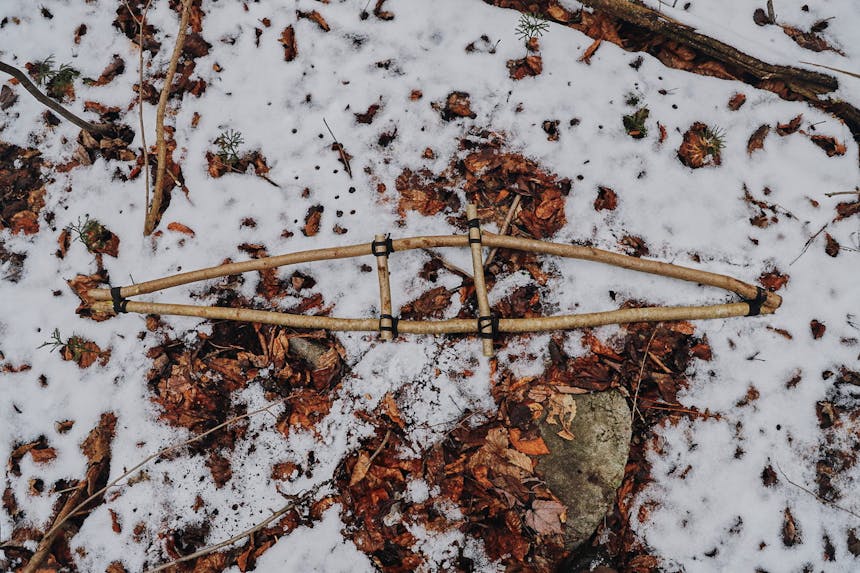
<point>636,27</point>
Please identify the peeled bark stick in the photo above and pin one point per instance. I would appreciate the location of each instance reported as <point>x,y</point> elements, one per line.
<point>248,315</point>
<point>450,326</point>
<point>153,214</point>
<point>480,283</point>
<point>741,288</point>
<point>277,261</point>
<point>48,102</point>
<point>385,320</point>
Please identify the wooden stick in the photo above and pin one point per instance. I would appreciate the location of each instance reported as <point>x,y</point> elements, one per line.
<point>450,326</point>
<point>480,283</point>
<point>153,214</point>
<point>384,291</point>
<point>48,102</point>
<point>141,23</point>
<point>515,206</point>
<point>743,289</point>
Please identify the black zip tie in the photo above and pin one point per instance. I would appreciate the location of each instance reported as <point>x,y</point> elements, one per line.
<point>382,248</point>
<point>474,224</point>
<point>393,328</point>
<point>488,321</point>
<point>119,303</point>
<point>755,304</point>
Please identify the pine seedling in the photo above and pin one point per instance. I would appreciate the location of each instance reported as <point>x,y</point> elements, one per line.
<point>90,232</point>
<point>714,139</point>
<point>55,342</point>
<point>75,344</point>
<point>531,26</point>
<point>228,143</point>
<point>61,79</point>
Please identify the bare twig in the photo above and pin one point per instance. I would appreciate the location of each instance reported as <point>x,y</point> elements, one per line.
<point>340,150</point>
<point>153,214</point>
<point>639,378</point>
<point>855,192</point>
<point>846,72</point>
<point>505,226</point>
<point>381,446</point>
<point>449,265</point>
<point>771,13</point>
<point>141,23</point>
<point>808,243</point>
<point>48,102</point>
<point>295,501</point>
<point>815,495</point>
<point>157,454</point>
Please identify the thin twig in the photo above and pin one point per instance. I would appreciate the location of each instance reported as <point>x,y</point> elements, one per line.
<point>505,226</point>
<point>855,192</point>
<point>141,23</point>
<point>639,378</point>
<point>832,69</point>
<point>815,495</point>
<point>771,13</point>
<point>449,265</point>
<point>381,446</point>
<point>294,501</point>
<point>808,244</point>
<point>160,453</point>
<point>153,213</point>
<point>48,102</point>
<point>340,150</point>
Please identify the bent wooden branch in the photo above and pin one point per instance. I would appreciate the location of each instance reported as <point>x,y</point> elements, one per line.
<point>755,299</point>
<point>745,290</point>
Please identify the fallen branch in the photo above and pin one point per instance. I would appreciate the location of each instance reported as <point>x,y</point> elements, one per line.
<point>788,82</point>
<point>153,214</point>
<point>98,443</point>
<point>809,84</point>
<point>48,102</point>
<point>295,501</point>
<point>158,454</point>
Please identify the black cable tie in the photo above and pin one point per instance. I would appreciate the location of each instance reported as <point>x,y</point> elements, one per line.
<point>474,224</point>
<point>393,328</point>
<point>755,304</point>
<point>119,303</point>
<point>488,321</point>
<point>382,248</point>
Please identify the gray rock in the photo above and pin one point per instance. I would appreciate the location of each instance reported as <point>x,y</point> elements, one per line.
<point>586,472</point>
<point>308,350</point>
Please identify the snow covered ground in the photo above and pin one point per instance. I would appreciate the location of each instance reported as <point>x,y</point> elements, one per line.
<point>716,516</point>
